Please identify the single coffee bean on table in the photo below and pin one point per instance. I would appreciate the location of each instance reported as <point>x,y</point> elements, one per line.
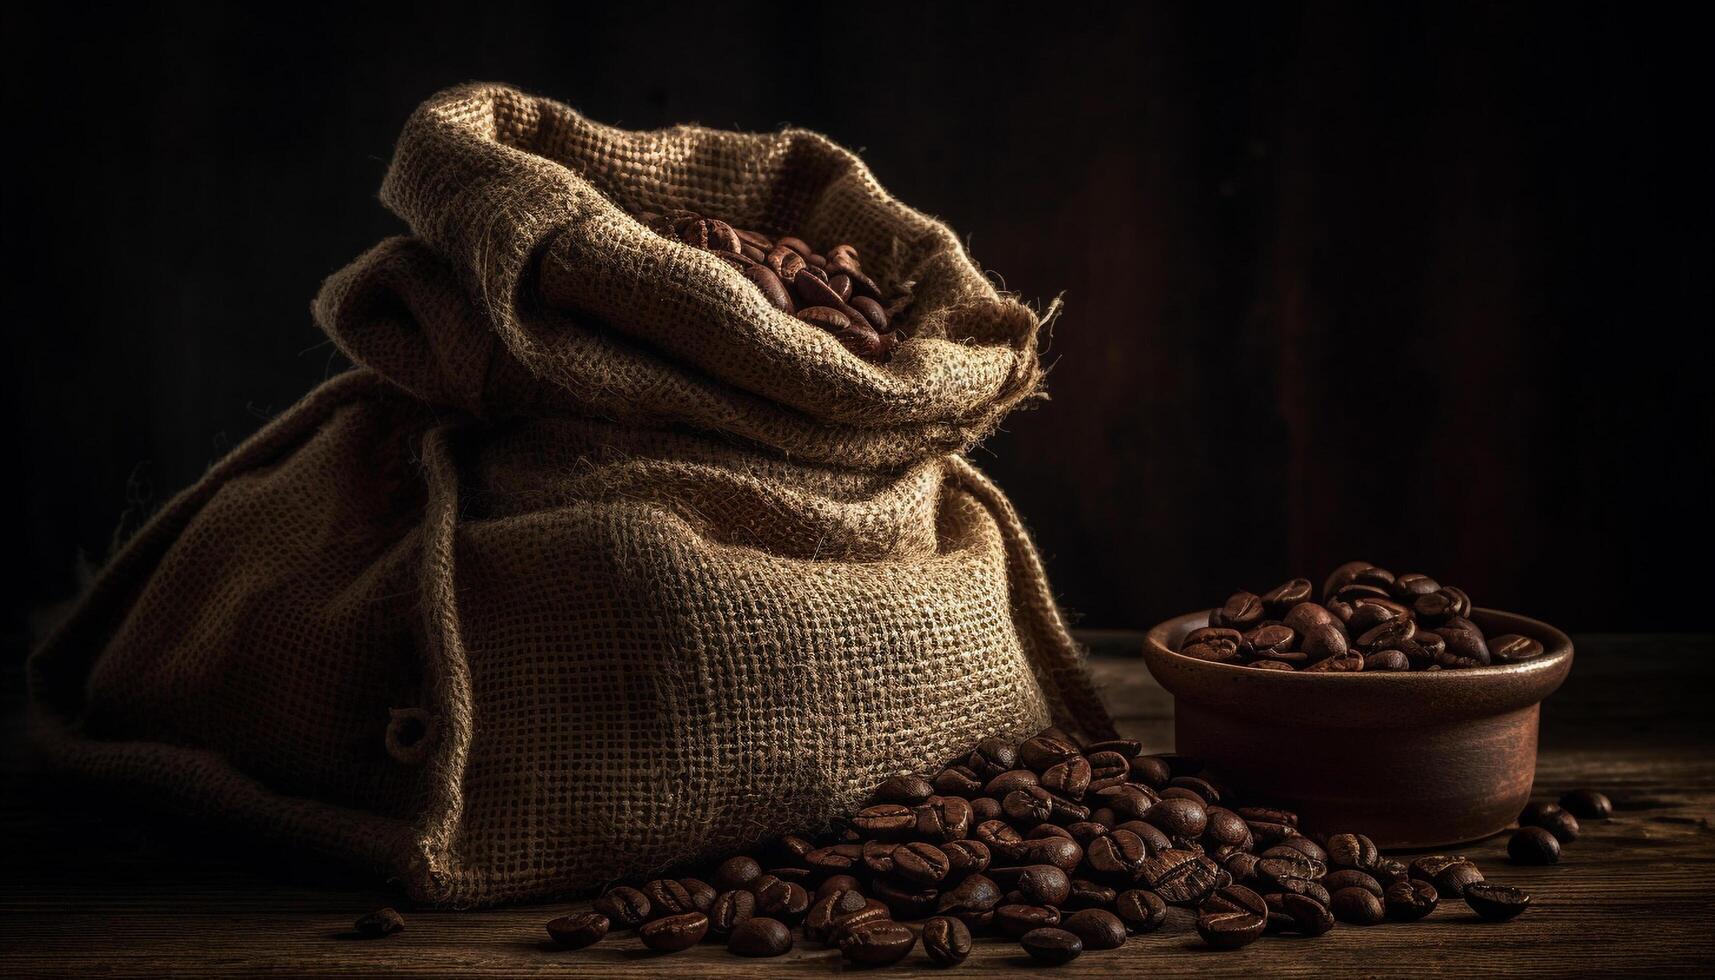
<point>1496,903</point>
<point>624,906</point>
<point>1052,945</point>
<point>1096,928</point>
<point>1533,845</point>
<point>379,923</point>
<point>1552,818</point>
<point>674,933</point>
<point>578,930</point>
<point>877,943</point>
<point>1587,804</point>
<point>946,941</point>
<point>760,936</point>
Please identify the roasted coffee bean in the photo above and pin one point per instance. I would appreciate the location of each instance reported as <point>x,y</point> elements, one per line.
<point>1344,664</point>
<point>946,941</point>
<point>1178,817</point>
<point>1042,751</point>
<point>1305,914</point>
<point>885,821</point>
<point>835,883</point>
<point>944,818</point>
<point>1304,617</point>
<point>1322,642</point>
<point>785,900</point>
<point>1126,747</point>
<point>1409,586</point>
<point>760,936</point>
<point>1387,871</point>
<point>379,923</point>
<point>877,943</point>
<point>1013,779</point>
<point>1242,611</point>
<point>1408,901</point>
<point>1086,894</point>
<point>873,911</point>
<point>1107,764</point>
<point>729,910</point>
<point>1511,648</point>
<point>1212,653</point>
<point>1096,928</point>
<point>1305,887</point>
<point>624,906</point>
<point>1117,854</point>
<point>998,835</point>
<point>1550,817</point>
<point>1367,617</point>
<point>1343,576</point>
<point>1278,600</point>
<point>578,930</point>
<point>1267,814</point>
<point>959,781</point>
<point>701,892</point>
<point>1587,804</point>
<point>1028,806</point>
<point>1017,919</point>
<point>1465,645</point>
<point>772,289</point>
<point>1349,878</point>
<point>825,911</point>
<point>905,899</point>
<point>985,808</point>
<point>965,857</point>
<point>905,790</point>
<point>1277,871</point>
<point>1218,636</point>
<point>1357,906</point>
<point>975,896</point>
<point>1058,850</point>
<point>674,933</point>
<point>1147,832</point>
<point>1069,778</point>
<point>1150,771</point>
<point>1038,884</point>
<point>737,872</point>
<point>1226,829</point>
<point>1496,903</point>
<point>1141,910</point>
<point>991,757</point>
<point>1231,930</point>
<point>1533,845</point>
<point>1449,875</point>
<point>838,859</point>
<point>1051,945</point>
<point>1180,877</point>
<point>1206,792</point>
<point>668,897</point>
<point>1352,851</point>
<point>1387,660</point>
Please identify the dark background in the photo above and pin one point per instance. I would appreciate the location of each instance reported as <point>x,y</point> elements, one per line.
<point>1428,285</point>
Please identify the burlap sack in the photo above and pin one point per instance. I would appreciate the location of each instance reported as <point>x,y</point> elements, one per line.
<point>596,563</point>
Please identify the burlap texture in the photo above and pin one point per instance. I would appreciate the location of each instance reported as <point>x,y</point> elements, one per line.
<point>596,564</point>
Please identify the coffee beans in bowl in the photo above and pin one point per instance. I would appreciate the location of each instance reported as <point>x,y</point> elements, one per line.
<point>1424,708</point>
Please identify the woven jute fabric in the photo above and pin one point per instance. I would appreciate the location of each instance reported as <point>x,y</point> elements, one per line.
<point>595,564</point>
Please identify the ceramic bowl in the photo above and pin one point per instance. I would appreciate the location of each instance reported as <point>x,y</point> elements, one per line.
<point>1413,759</point>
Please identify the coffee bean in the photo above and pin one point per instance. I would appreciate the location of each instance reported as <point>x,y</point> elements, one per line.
<point>1304,913</point>
<point>379,923</point>
<point>668,897</point>
<point>1126,747</point>
<point>1242,611</point>
<point>1408,901</point>
<point>1387,660</point>
<point>985,808</point>
<point>624,906</point>
<point>973,899</point>
<point>1352,851</point>
<point>960,781</point>
<point>701,892</point>
<point>1227,829</point>
<point>674,932</point>
<point>885,821</point>
<point>1533,845</point>
<point>1550,817</point>
<point>1096,928</point>
<point>578,930</point>
<point>1180,877</point>
<point>1409,586</point>
<point>1587,804</point>
<point>944,818</point>
<point>905,790</point>
<point>760,937</point>
<point>1449,875</point>
<point>1231,930</point>
<point>1086,894</point>
<point>1344,664</point>
<point>1118,854</point>
<point>785,900</point>
<point>1016,919</point>
<point>965,857</point>
<point>729,910</point>
<point>825,910</point>
<point>1039,884</point>
<point>1348,878</point>
<point>1367,617</point>
<point>993,756</point>
<point>1357,906</point>
<point>1511,648</point>
<point>1028,806</point>
<point>946,941</point>
<point>1141,910</point>
<point>771,287</point>
<point>877,943</point>
<point>1465,644</point>
<point>1043,751</point>
<point>1052,945</point>
<point>1179,817</point>
<point>1150,771</point>
<point>872,911</point>
<point>1496,903</point>
<point>737,872</point>
<point>1278,600</point>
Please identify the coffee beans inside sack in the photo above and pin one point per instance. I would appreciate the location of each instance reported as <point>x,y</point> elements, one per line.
<point>588,566</point>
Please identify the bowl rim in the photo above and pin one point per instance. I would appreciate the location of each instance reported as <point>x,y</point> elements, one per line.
<point>1557,651</point>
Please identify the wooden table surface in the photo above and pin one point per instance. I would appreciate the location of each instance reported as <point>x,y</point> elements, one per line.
<point>92,887</point>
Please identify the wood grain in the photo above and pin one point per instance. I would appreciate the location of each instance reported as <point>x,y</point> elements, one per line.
<point>87,893</point>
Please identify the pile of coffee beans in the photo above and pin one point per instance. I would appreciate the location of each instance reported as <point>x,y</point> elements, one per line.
<point>828,290</point>
<point>1368,619</point>
<point>1061,847</point>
